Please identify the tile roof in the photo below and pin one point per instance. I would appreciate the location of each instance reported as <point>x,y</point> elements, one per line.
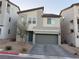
<point>51,15</point>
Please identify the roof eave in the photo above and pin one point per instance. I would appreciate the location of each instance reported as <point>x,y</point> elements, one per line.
<point>76,4</point>
<point>31,10</point>
<point>14,4</point>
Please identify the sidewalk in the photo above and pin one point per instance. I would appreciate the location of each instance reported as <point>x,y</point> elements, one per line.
<point>70,49</point>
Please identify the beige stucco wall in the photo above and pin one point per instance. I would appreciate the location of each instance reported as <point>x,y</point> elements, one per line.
<point>41,24</point>
<point>76,16</point>
<point>31,14</point>
<point>55,22</point>
<point>4,20</point>
<point>3,9</point>
<point>13,24</point>
<point>66,25</point>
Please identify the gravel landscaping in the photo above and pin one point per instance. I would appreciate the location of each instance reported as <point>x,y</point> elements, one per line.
<point>19,47</point>
<point>73,50</point>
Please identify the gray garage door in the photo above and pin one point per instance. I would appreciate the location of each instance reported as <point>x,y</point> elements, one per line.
<point>46,39</point>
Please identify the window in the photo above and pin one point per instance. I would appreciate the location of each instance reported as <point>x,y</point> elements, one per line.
<point>8,8</point>
<point>78,24</point>
<point>78,11</point>
<point>0,5</point>
<point>34,21</point>
<point>10,19</point>
<point>72,30</point>
<point>9,31</point>
<point>0,30</point>
<point>49,21</point>
<point>71,21</point>
<point>77,21</point>
<point>8,5</point>
<point>29,20</point>
<point>77,36</point>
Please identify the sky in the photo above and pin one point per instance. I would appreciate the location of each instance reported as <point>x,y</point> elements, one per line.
<point>50,6</point>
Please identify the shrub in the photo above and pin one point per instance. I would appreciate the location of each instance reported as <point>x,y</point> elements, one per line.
<point>75,54</point>
<point>71,44</point>
<point>65,42</point>
<point>13,40</point>
<point>8,48</point>
<point>23,50</point>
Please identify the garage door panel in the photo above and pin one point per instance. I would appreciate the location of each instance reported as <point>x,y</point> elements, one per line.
<point>46,39</point>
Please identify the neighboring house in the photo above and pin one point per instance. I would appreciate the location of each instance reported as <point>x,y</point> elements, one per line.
<point>8,17</point>
<point>42,28</point>
<point>70,24</point>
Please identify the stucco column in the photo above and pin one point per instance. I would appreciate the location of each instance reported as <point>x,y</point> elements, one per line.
<point>59,39</point>
<point>33,38</point>
<point>27,38</point>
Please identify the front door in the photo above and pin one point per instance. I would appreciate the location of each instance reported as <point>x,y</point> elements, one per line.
<point>30,37</point>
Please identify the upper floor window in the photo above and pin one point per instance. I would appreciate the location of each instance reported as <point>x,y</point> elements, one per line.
<point>8,8</point>
<point>71,21</point>
<point>29,21</point>
<point>0,30</point>
<point>77,21</point>
<point>78,11</point>
<point>10,19</point>
<point>9,31</point>
<point>32,20</point>
<point>49,21</point>
<point>77,36</point>
<point>0,5</point>
<point>72,30</point>
<point>78,24</point>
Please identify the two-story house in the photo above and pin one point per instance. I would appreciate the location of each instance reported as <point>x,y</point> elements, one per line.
<point>70,24</point>
<point>8,19</point>
<point>42,28</point>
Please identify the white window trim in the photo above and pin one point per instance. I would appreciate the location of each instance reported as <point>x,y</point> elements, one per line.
<point>32,20</point>
<point>51,25</point>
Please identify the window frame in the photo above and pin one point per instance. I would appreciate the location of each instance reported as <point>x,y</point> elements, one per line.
<point>71,21</point>
<point>9,19</point>
<point>9,32</point>
<point>8,8</point>
<point>77,21</point>
<point>72,30</point>
<point>29,20</point>
<point>49,21</point>
<point>34,20</point>
<point>0,7</point>
<point>0,31</point>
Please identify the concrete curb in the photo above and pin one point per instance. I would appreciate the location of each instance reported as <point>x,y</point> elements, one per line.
<point>37,56</point>
<point>43,56</point>
<point>32,56</point>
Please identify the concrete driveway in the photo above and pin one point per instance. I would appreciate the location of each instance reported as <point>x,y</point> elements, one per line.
<point>50,50</point>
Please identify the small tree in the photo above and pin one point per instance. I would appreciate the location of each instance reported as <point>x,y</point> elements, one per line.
<point>22,28</point>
